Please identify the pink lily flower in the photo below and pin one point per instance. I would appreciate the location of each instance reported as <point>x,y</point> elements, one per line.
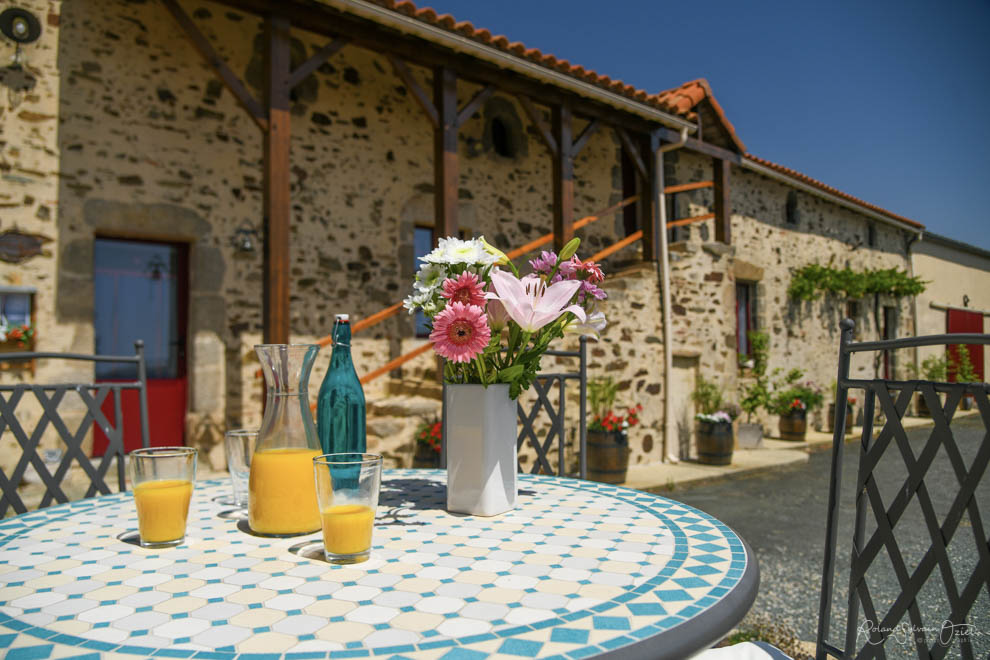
<point>531,303</point>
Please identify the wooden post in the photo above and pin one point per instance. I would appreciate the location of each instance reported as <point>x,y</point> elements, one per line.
<point>630,187</point>
<point>276,173</point>
<point>723,205</point>
<point>563,178</point>
<point>650,198</point>
<point>445,165</point>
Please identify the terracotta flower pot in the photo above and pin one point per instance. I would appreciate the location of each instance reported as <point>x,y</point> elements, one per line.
<point>794,425</point>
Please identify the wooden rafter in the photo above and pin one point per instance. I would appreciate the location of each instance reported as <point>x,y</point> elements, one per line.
<point>419,94</point>
<point>586,134</point>
<point>318,58</point>
<point>695,144</point>
<point>541,126</point>
<point>563,177</point>
<point>228,77</point>
<point>632,151</point>
<point>723,204</point>
<point>472,106</point>
<point>649,209</point>
<point>446,167</point>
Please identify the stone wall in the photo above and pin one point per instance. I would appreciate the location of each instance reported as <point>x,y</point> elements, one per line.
<point>129,133</point>
<point>765,250</point>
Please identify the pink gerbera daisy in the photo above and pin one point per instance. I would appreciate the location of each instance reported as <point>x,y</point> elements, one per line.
<point>466,289</point>
<point>460,332</point>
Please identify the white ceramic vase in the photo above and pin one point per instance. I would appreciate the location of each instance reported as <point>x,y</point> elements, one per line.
<point>481,449</point>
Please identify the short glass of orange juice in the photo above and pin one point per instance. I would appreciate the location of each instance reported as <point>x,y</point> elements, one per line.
<point>163,479</point>
<point>347,487</point>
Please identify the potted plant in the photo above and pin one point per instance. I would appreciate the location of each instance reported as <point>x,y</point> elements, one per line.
<point>756,394</point>
<point>429,441</point>
<point>716,439</point>
<point>933,368</point>
<point>17,337</point>
<point>792,400</point>
<point>961,371</point>
<point>850,411</point>
<point>608,444</point>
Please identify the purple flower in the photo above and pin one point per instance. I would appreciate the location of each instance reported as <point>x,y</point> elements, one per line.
<point>544,263</point>
<point>589,289</point>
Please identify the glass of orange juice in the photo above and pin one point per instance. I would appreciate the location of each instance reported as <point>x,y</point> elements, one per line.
<point>347,488</point>
<point>163,479</point>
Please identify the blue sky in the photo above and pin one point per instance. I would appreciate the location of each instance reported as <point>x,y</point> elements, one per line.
<point>889,102</point>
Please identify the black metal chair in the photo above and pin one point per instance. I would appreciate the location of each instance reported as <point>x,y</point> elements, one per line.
<point>543,386</point>
<point>49,397</point>
<point>905,593</point>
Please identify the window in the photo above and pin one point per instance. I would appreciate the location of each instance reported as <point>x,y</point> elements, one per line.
<point>422,244</point>
<point>791,208</point>
<point>745,315</point>
<point>502,139</point>
<point>15,312</point>
<point>871,234</point>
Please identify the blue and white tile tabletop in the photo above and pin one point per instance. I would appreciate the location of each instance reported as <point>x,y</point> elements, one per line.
<point>578,569</point>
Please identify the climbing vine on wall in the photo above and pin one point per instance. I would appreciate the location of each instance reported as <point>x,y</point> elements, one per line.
<point>810,281</point>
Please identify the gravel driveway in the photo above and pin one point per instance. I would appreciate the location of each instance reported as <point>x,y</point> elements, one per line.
<point>782,516</point>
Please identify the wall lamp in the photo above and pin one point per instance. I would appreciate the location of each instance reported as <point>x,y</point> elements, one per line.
<point>244,237</point>
<point>21,27</point>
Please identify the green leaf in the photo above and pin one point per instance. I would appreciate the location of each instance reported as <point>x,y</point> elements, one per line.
<point>509,374</point>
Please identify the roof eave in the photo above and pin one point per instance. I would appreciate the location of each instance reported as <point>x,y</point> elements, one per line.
<point>460,43</point>
<point>824,194</point>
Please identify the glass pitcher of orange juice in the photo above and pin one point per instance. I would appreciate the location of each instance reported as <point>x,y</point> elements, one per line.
<point>281,489</point>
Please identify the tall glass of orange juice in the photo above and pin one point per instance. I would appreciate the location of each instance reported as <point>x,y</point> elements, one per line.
<point>281,490</point>
<point>163,479</point>
<point>347,486</point>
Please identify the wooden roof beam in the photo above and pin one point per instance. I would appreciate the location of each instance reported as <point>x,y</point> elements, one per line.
<point>317,60</point>
<point>228,77</point>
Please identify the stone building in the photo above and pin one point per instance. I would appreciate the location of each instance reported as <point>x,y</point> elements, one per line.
<point>253,174</point>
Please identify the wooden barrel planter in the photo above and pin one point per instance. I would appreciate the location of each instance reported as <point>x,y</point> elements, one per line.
<point>425,457</point>
<point>715,443</point>
<point>608,456</point>
<point>850,418</point>
<point>793,426</point>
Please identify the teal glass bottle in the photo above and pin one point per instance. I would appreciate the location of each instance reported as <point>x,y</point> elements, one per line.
<point>340,410</point>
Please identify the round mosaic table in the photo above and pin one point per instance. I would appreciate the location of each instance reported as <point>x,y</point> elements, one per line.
<point>578,569</point>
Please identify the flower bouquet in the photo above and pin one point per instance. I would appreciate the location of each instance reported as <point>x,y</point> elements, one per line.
<point>492,325</point>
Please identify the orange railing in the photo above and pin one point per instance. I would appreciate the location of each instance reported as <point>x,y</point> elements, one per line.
<point>546,239</point>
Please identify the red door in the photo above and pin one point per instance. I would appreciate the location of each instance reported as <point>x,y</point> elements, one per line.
<point>141,292</point>
<point>959,320</point>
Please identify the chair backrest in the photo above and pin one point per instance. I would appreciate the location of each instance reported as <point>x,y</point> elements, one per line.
<point>49,398</point>
<point>919,561</point>
<point>544,385</point>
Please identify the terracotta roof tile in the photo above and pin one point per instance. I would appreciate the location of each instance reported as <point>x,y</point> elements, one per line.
<point>794,174</point>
